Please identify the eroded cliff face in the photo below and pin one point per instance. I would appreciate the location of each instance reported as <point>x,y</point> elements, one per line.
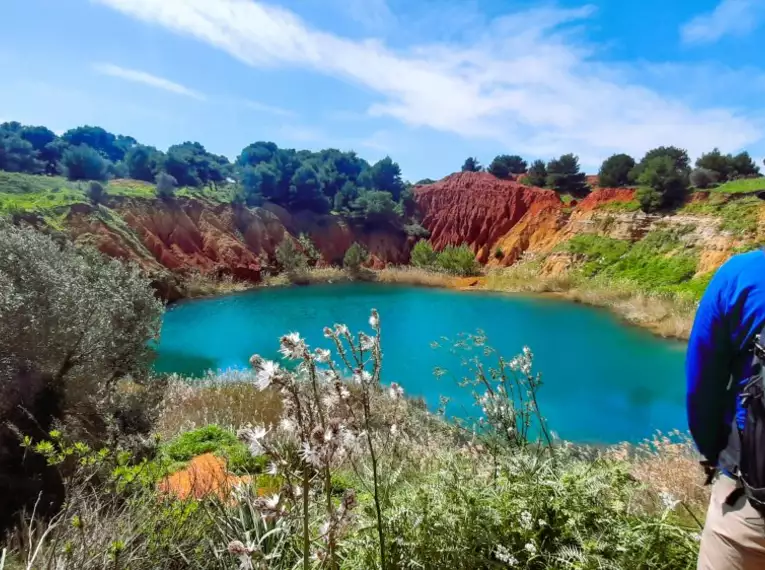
<point>187,234</point>
<point>504,220</point>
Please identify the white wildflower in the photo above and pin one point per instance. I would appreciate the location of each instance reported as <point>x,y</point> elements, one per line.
<point>272,502</point>
<point>366,342</point>
<point>527,352</point>
<point>328,333</point>
<point>238,549</point>
<point>322,355</point>
<point>292,346</point>
<point>273,469</point>
<point>503,555</point>
<point>668,500</point>
<point>362,377</point>
<point>341,330</point>
<point>251,436</point>
<point>394,430</point>
<point>530,548</point>
<point>526,520</point>
<point>395,391</point>
<point>288,426</point>
<point>515,364</point>
<point>267,371</point>
<point>310,455</point>
<point>374,319</point>
<point>345,393</point>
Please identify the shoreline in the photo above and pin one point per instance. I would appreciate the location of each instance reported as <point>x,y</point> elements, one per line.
<point>663,315</point>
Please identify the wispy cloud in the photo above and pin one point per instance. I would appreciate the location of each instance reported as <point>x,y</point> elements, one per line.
<point>147,79</point>
<point>730,17</point>
<point>270,109</point>
<point>526,81</point>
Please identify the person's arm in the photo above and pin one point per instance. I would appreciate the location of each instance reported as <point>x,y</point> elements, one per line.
<point>708,371</point>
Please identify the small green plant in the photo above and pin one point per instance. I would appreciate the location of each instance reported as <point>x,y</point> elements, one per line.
<point>499,254</point>
<point>650,200</point>
<point>312,254</point>
<point>166,185</point>
<point>355,257</point>
<point>213,439</point>
<point>458,260</point>
<point>423,254</point>
<point>95,192</point>
<point>289,256</point>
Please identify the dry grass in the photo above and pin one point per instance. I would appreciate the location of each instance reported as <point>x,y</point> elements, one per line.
<point>198,284</point>
<point>415,276</point>
<point>670,316</point>
<point>229,399</point>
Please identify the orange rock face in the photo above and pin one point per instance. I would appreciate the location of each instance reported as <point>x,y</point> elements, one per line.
<point>478,209</point>
<point>605,195</point>
<point>219,239</point>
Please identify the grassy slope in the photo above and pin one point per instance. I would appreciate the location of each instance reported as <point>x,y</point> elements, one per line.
<point>744,185</point>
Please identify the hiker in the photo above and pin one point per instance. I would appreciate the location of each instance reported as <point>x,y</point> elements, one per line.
<point>726,414</point>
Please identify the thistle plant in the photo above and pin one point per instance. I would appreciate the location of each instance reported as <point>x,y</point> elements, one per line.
<point>328,422</point>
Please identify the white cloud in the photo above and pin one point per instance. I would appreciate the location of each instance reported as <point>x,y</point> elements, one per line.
<point>527,81</point>
<point>269,109</point>
<point>147,79</point>
<point>730,17</point>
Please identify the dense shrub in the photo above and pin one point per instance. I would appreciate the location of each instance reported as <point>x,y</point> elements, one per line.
<point>84,163</point>
<point>423,255</point>
<point>471,164</point>
<point>564,176</point>
<point>312,254</point>
<point>649,199</point>
<point>290,257</point>
<point>166,185</point>
<point>458,260</point>
<point>217,440</point>
<point>662,175</point>
<point>537,174</point>
<point>72,326</point>
<point>503,166</point>
<point>355,257</point>
<point>95,192</point>
<point>416,230</point>
<point>704,178</point>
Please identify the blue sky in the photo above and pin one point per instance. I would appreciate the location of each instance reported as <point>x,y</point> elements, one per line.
<point>428,82</point>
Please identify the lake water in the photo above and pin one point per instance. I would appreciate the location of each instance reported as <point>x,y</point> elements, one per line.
<point>604,382</point>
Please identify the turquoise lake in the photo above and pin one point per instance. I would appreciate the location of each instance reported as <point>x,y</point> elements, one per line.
<point>604,382</point>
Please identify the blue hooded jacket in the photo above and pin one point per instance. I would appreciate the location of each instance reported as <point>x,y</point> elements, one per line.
<point>719,358</point>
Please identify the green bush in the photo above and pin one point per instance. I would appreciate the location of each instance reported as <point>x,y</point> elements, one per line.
<point>458,260</point>
<point>217,440</point>
<point>650,200</point>
<point>355,257</point>
<point>289,256</point>
<point>95,192</point>
<point>166,185</point>
<point>423,255</point>
<point>309,248</point>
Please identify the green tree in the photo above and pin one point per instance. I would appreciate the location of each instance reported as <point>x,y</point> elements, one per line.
<point>166,185</point>
<point>743,165</point>
<point>537,174</point>
<point>95,192</point>
<point>717,162</point>
<point>289,256</point>
<point>376,207</point>
<point>84,163</point>
<point>649,199</point>
<point>471,164</point>
<point>424,182</point>
<point>306,190</point>
<point>18,155</point>
<point>385,176</point>
<point>563,176</point>
<point>313,255</point>
<point>505,165</point>
<point>458,260</point>
<point>355,257</point>
<point>191,165</point>
<point>663,175</point>
<point>615,171</point>
<point>143,162</point>
<point>423,255</point>
<point>678,156</point>
<point>98,139</point>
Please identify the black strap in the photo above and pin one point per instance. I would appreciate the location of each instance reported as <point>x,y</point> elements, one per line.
<point>735,495</point>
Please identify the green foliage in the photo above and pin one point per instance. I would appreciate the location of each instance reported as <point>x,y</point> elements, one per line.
<point>741,185</point>
<point>416,230</point>
<point>290,257</point>
<point>217,440</point>
<point>423,255</point>
<point>504,165</point>
<point>537,174</point>
<point>498,253</point>
<point>309,248</point>
<point>649,200</point>
<point>662,175</point>
<point>424,182</point>
<point>615,171</point>
<point>458,260</point>
<point>658,261</point>
<point>563,176</point>
<point>95,192</point>
<point>385,176</point>
<point>355,257</point>
<point>306,190</point>
<point>471,164</point>
<point>111,147</point>
<point>728,167</point>
<point>376,207</point>
<point>143,162</point>
<point>191,165</point>
<point>166,184</point>
<point>678,156</point>
<point>739,215</point>
<point>84,163</point>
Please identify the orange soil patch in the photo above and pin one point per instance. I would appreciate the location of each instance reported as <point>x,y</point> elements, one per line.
<point>204,475</point>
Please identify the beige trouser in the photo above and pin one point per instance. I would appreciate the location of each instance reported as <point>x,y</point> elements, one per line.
<point>734,536</point>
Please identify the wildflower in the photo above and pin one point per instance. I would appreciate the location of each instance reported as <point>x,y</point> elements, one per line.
<point>255,361</point>
<point>366,342</point>
<point>526,520</point>
<point>310,455</point>
<point>503,555</point>
<point>267,371</point>
<point>395,391</point>
<point>252,436</point>
<point>322,355</point>
<point>292,346</point>
<point>527,352</point>
<point>328,333</point>
<point>394,430</point>
<point>374,319</point>
<point>243,553</point>
<point>273,469</point>
<point>362,377</point>
<point>272,502</point>
<point>288,426</point>
<point>530,548</point>
<point>341,330</point>
<point>345,393</point>
<point>668,500</point>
